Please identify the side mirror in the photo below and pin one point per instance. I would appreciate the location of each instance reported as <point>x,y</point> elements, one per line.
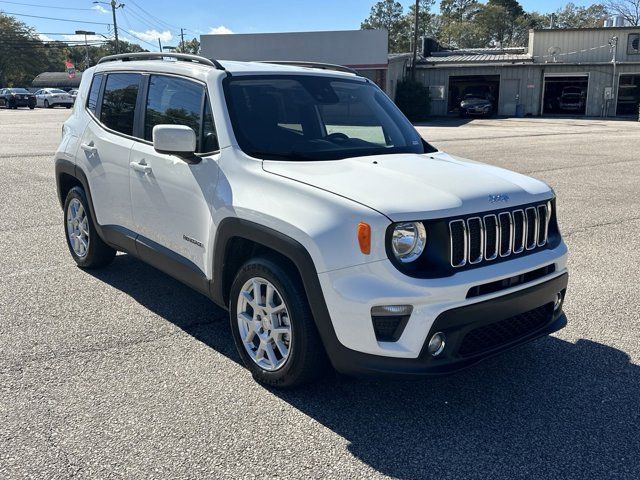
<point>177,140</point>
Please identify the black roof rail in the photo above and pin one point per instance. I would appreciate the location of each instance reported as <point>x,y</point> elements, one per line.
<point>320,65</point>
<point>129,57</point>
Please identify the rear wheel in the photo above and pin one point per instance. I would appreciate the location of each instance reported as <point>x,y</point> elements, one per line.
<point>272,325</point>
<point>86,247</point>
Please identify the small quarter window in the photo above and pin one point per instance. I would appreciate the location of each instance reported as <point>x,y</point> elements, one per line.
<point>119,101</point>
<point>94,91</point>
<point>209,134</point>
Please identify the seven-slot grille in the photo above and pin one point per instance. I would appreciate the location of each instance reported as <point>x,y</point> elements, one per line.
<point>498,235</point>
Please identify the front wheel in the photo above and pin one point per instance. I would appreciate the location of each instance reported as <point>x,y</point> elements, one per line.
<point>272,324</point>
<point>46,104</point>
<point>86,247</point>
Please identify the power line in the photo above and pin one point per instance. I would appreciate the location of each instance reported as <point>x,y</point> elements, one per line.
<point>52,18</point>
<point>160,21</point>
<point>44,6</point>
<point>146,22</point>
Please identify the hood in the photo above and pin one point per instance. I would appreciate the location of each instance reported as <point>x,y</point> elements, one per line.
<point>416,187</point>
<point>474,102</point>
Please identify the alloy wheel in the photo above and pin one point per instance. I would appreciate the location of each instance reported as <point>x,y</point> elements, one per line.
<point>78,228</point>
<point>264,324</point>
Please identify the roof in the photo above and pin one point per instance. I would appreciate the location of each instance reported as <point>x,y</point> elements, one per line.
<point>202,72</point>
<point>583,29</point>
<point>56,80</point>
<point>478,55</point>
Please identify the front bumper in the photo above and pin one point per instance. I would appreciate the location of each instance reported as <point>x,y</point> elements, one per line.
<point>473,332</point>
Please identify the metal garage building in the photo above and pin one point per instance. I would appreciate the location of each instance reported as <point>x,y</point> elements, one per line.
<point>591,72</point>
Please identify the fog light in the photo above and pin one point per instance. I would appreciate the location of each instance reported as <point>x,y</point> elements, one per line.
<point>436,344</point>
<point>394,310</point>
<point>557,303</point>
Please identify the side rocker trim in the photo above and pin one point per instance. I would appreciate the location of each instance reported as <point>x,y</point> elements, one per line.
<point>123,239</point>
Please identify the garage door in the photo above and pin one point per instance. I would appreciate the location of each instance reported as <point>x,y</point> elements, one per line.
<point>565,95</point>
<point>628,95</point>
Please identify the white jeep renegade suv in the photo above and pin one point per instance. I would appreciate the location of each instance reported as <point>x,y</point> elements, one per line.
<point>303,201</point>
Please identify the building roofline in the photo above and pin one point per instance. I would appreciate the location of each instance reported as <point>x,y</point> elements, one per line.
<point>581,29</point>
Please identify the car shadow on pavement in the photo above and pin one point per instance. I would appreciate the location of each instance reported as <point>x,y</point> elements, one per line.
<point>550,409</point>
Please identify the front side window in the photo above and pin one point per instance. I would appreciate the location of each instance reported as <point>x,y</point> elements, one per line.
<point>119,101</point>
<point>175,101</point>
<point>302,117</point>
<point>94,91</point>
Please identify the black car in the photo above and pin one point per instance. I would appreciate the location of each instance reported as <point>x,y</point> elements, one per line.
<point>17,97</point>
<point>473,104</point>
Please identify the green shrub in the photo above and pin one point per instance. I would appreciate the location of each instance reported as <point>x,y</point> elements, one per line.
<point>413,99</point>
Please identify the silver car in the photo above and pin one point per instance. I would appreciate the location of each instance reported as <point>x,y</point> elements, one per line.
<point>50,97</point>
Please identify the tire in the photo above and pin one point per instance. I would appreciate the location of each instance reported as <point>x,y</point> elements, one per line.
<point>68,106</point>
<point>31,108</point>
<point>46,104</point>
<point>96,253</point>
<point>306,359</point>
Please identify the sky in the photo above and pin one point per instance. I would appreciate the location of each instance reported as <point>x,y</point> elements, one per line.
<point>144,21</point>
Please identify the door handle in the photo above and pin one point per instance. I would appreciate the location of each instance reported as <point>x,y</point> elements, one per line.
<point>89,148</point>
<point>140,167</point>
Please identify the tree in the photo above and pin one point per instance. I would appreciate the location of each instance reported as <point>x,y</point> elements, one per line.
<point>629,9</point>
<point>458,29</point>
<point>574,16</point>
<point>21,52</point>
<point>387,14</point>
<point>23,55</point>
<point>500,23</point>
<point>192,46</point>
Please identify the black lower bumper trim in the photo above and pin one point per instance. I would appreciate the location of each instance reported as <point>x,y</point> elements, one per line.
<point>492,326</point>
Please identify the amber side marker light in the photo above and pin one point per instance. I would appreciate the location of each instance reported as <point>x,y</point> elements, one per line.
<point>364,237</point>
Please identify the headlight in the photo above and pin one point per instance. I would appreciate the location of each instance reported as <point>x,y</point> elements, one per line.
<point>408,241</point>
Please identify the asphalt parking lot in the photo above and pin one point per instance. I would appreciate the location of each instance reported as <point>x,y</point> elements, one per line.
<point>124,372</point>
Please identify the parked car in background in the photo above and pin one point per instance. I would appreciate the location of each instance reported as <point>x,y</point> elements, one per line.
<point>50,97</point>
<point>473,105</point>
<point>73,93</point>
<point>17,97</point>
<point>572,98</point>
<point>476,101</point>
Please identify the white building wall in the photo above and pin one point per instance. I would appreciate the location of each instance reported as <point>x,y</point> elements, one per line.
<point>363,49</point>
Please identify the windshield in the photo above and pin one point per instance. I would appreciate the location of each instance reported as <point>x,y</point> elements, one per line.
<point>18,90</point>
<point>56,90</point>
<point>302,117</point>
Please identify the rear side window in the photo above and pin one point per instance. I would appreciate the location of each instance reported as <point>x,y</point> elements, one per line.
<point>176,101</point>
<point>119,101</point>
<point>92,99</point>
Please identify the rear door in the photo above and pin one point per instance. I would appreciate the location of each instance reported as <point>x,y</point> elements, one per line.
<point>172,200</point>
<point>106,146</point>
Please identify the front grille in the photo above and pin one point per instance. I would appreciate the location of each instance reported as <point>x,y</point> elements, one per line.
<point>508,233</point>
<point>494,335</point>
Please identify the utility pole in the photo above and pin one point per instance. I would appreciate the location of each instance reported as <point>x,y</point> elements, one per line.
<point>159,44</point>
<point>415,42</point>
<point>613,42</point>
<point>114,5</point>
<point>182,40</point>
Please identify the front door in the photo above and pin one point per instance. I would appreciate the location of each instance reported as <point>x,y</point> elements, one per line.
<point>509,96</point>
<point>172,200</point>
